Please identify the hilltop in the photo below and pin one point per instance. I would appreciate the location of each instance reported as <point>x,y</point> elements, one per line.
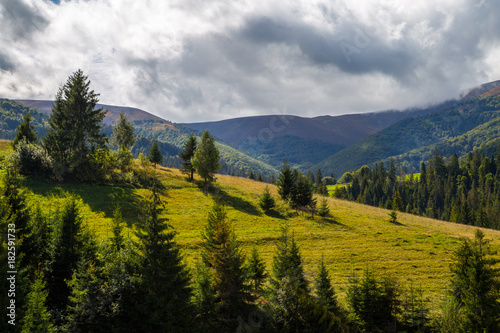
<point>417,251</point>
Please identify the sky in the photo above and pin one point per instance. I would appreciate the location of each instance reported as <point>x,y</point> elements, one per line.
<point>199,60</point>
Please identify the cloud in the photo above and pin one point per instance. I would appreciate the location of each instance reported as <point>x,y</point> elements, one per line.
<point>207,60</point>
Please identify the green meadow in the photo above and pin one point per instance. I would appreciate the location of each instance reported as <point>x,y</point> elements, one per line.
<point>416,251</point>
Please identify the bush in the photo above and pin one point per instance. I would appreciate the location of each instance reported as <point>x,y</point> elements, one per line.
<point>31,159</point>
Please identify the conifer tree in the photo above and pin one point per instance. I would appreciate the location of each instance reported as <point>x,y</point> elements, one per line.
<point>323,209</point>
<point>475,285</point>
<point>25,131</point>
<point>186,155</point>
<point>256,269</point>
<point>37,318</point>
<point>205,299</point>
<point>117,240</point>
<point>123,133</point>
<point>324,290</point>
<point>286,183</point>
<point>75,125</point>
<point>206,158</point>
<point>266,201</point>
<point>154,154</point>
<point>221,252</point>
<point>164,291</point>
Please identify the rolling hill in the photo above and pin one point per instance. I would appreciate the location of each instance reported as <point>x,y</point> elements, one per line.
<point>417,251</point>
<point>412,139</point>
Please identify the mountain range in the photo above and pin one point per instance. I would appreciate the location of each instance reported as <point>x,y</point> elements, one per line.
<point>334,144</point>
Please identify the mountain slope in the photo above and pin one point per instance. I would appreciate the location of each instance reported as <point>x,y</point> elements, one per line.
<point>421,132</point>
<point>355,236</point>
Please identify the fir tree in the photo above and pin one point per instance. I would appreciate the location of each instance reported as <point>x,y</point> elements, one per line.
<point>256,269</point>
<point>186,155</point>
<point>266,201</point>
<point>75,125</point>
<point>221,252</point>
<point>323,209</point>
<point>286,183</point>
<point>475,285</point>
<point>25,131</point>
<point>324,290</point>
<point>154,154</point>
<point>393,217</point>
<point>37,317</point>
<point>206,158</point>
<point>164,288</point>
<point>123,133</point>
<point>251,175</point>
<point>117,240</point>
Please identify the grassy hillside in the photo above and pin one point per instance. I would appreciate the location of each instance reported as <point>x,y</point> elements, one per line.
<point>417,251</point>
<point>422,132</point>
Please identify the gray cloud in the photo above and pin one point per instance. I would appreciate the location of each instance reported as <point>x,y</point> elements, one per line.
<point>206,60</point>
<point>21,19</point>
<point>5,63</point>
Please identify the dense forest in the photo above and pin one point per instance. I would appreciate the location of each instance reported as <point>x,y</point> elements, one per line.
<point>466,191</point>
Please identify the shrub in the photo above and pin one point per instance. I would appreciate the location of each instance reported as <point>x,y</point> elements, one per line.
<point>32,159</point>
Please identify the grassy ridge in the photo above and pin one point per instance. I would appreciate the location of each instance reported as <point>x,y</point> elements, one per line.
<point>417,251</point>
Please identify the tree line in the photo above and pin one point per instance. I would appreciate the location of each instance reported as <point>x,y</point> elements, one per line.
<point>464,191</point>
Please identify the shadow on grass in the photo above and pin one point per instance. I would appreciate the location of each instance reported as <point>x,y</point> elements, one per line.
<point>276,214</point>
<point>237,203</point>
<point>100,198</point>
<point>331,221</point>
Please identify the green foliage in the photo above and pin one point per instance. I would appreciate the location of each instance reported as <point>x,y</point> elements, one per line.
<point>266,201</point>
<point>374,302</point>
<point>25,131</point>
<point>222,254</point>
<point>206,158</point>
<point>31,159</point>
<point>164,291</point>
<point>75,126</point>
<point>256,269</point>
<point>393,217</point>
<point>123,133</point>
<point>12,114</point>
<point>186,155</point>
<point>117,240</point>
<point>154,154</point>
<point>323,209</point>
<point>37,317</point>
<point>324,290</point>
<point>475,285</point>
<point>286,183</point>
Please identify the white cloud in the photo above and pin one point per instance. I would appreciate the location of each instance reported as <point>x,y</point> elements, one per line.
<point>206,60</point>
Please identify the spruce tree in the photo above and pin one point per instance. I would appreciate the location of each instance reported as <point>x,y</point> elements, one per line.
<point>123,133</point>
<point>206,158</point>
<point>25,131</point>
<point>164,291</point>
<point>286,183</point>
<point>37,318</point>
<point>75,125</point>
<point>186,155</point>
<point>324,290</point>
<point>222,253</point>
<point>475,285</point>
<point>256,269</point>
<point>154,154</point>
<point>323,209</point>
<point>117,240</point>
<point>266,201</point>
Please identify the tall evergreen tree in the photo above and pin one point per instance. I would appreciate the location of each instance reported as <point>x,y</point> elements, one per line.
<point>286,183</point>
<point>475,285</point>
<point>37,317</point>
<point>75,125</point>
<point>186,155</point>
<point>256,269</point>
<point>164,292</point>
<point>154,154</point>
<point>324,290</point>
<point>206,158</point>
<point>221,252</point>
<point>25,131</point>
<point>266,201</point>
<point>123,133</point>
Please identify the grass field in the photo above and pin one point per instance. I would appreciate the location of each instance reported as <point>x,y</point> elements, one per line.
<point>417,250</point>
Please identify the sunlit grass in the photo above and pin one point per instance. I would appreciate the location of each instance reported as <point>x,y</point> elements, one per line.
<point>417,250</point>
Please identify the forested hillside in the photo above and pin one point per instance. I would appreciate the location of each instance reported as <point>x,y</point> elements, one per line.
<point>439,129</point>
